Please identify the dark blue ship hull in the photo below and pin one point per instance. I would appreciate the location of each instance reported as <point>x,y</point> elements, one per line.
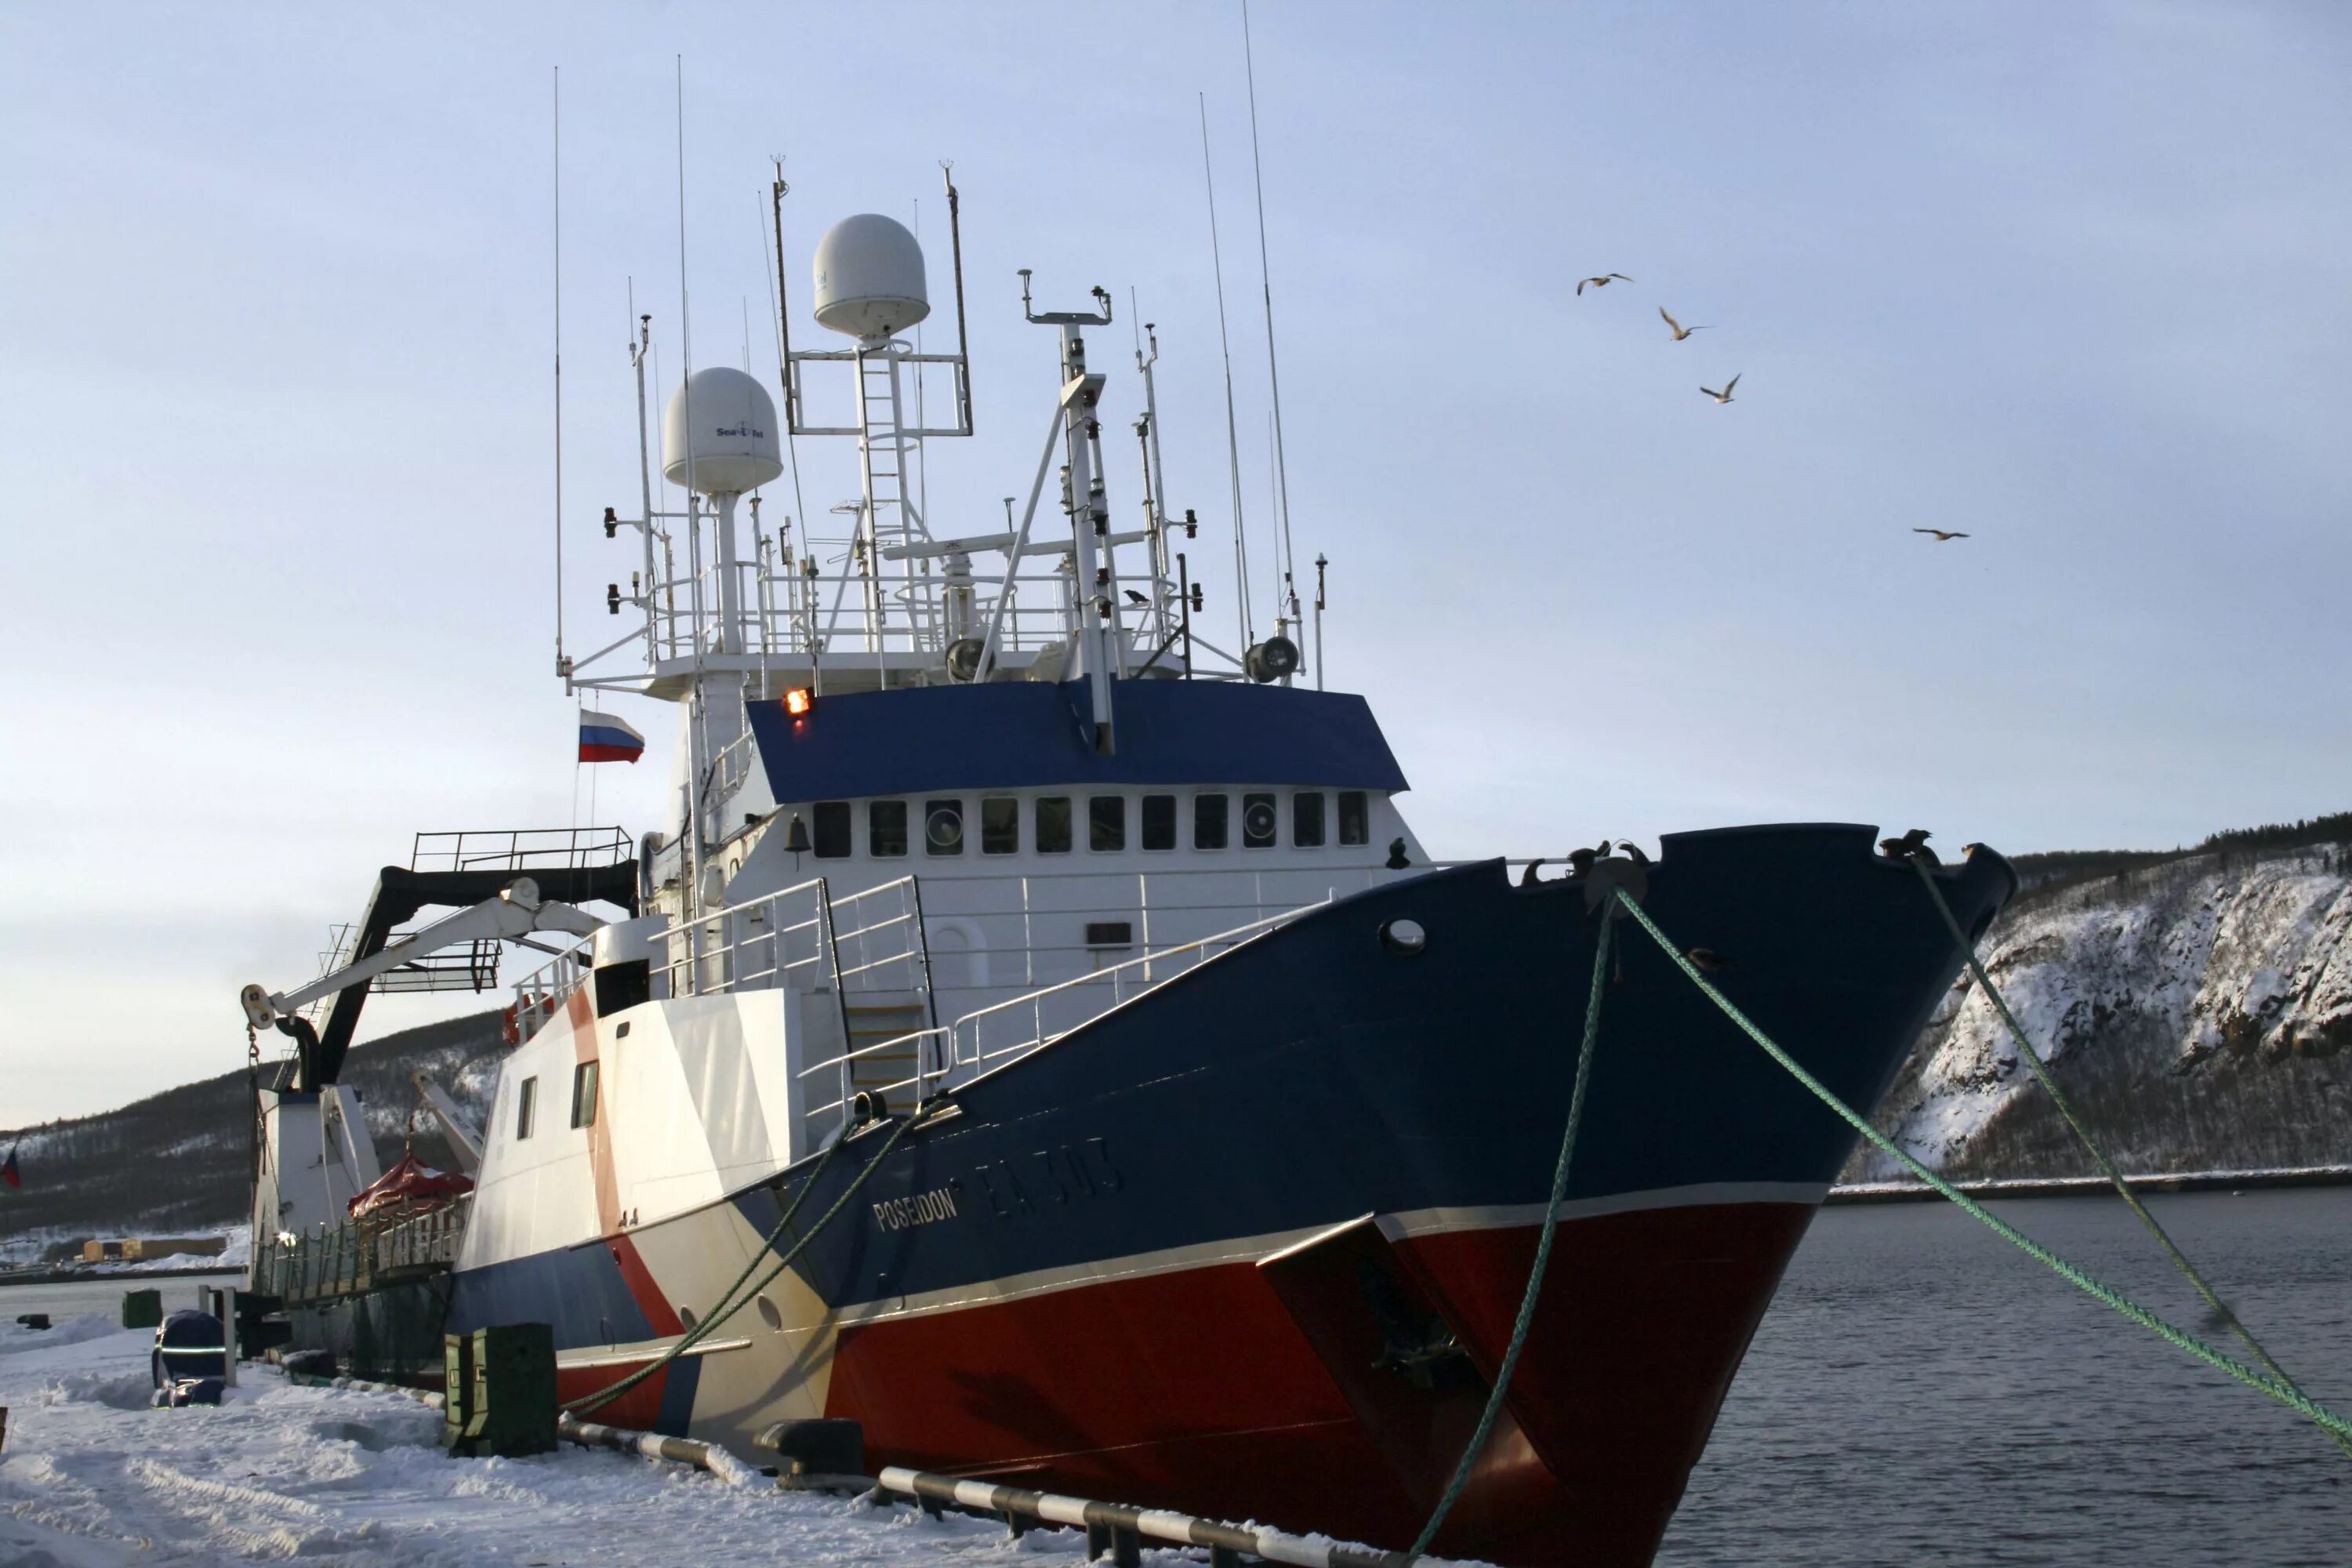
<point>1250,1245</point>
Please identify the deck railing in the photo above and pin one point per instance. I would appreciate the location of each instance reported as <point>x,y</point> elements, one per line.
<point>363,1254</point>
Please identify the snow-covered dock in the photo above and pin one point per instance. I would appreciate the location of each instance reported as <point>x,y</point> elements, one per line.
<point>91,1477</point>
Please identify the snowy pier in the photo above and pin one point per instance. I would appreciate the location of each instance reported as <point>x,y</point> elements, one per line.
<point>92,1478</point>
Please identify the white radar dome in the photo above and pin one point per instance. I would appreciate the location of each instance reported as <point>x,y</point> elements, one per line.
<point>733,445</point>
<point>869,278</point>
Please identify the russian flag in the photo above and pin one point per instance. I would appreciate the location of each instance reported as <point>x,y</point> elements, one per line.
<point>604,739</point>
<point>8,1171</point>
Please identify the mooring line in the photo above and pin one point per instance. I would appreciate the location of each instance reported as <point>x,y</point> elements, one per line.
<point>1543,1255</point>
<point>722,1310</point>
<point>2108,1168</point>
<point>2283,1392</point>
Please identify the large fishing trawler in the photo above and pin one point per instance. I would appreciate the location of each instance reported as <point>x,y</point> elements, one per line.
<point>1038,1035</point>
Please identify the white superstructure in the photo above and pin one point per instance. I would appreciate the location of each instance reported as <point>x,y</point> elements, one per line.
<point>941,893</point>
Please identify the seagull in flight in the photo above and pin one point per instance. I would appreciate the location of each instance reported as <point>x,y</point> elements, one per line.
<point>1725,395</point>
<point>1941,535</point>
<point>1601,281</point>
<point>1681,332</point>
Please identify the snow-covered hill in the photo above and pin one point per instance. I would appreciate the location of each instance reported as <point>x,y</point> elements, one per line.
<point>179,1163</point>
<point>2196,1010</point>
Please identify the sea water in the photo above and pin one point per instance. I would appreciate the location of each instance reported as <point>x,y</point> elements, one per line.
<point>70,1298</point>
<point>1921,1392</point>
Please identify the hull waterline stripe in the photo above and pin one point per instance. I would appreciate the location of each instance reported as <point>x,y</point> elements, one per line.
<point>635,1357</point>
<point>1498,1216</point>
<point>1254,1249</point>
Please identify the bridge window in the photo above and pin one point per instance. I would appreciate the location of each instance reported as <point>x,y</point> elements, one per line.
<point>885,829</point>
<point>1211,826</point>
<point>584,1095</point>
<point>944,827</point>
<point>1160,822</point>
<point>1000,825</point>
<point>832,838</point>
<point>1053,824</point>
<point>525,1103</point>
<point>1259,821</point>
<point>1107,822</point>
<point>1355,818</point>
<point>1307,819</point>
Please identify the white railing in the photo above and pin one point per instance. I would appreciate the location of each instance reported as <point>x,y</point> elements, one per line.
<point>757,944</point>
<point>874,939</point>
<point>541,993</point>
<point>961,1050</point>
<point>873,943</point>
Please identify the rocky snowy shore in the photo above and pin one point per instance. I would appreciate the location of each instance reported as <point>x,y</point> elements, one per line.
<point>92,1478</point>
<point>2197,1012</point>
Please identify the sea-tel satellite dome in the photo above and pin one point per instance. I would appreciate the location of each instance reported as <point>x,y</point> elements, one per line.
<point>733,447</point>
<point>869,278</point>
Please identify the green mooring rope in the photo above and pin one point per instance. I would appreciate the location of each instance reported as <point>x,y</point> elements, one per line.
<point>727,1306</point>
<point>2285,1392</point>
<point>2213,1302</point>
<point>1527,1316</point>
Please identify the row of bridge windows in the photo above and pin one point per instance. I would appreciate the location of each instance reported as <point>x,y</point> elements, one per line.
<point>1054,823</point>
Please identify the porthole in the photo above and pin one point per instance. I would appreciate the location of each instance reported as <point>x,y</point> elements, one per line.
<point>944,827</point>
<point>1403,936</point>
<point>686,1316</point>
<point>768,1315</point>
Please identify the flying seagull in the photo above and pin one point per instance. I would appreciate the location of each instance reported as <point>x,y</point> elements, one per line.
<point>1941,535</point>
<point>1681,332</point>
<point>1725,395</point>
<point>1601,281</point>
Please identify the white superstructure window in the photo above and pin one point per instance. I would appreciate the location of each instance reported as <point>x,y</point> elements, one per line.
<point>833,840</point>
<point>885,829</point>
<point>1307,819</point>
<point>526,1104</point>
<point>1000,825</point>
<point>942,828</point>
<point>1159,822</point>
<point>1260,822</point>
<point>1212,821</point>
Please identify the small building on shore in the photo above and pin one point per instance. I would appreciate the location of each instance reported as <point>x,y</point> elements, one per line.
<point>136,1248</point>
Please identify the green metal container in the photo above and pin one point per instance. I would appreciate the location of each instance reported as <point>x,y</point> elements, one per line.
<point>498,1391</point>
<point>142,1309</point>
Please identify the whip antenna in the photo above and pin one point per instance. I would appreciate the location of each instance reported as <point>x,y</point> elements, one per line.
<point>1273,374</point>
<point>562,664</point>
<point>1232,428</point>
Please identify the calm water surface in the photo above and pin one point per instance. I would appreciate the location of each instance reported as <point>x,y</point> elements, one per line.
<point>1923,1393</point>
<point>105,1295</point>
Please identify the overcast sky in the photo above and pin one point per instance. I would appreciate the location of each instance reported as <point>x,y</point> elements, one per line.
<point>277,415</point>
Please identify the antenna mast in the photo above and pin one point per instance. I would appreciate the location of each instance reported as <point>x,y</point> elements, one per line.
<point>1290,598</point>
<point>562,664</point>
<point>1232,428</point>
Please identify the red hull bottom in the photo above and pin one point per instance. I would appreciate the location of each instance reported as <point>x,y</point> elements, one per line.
<point>1240,1392</point>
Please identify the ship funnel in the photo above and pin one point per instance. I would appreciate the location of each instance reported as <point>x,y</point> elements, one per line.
<point>732,447</point>
<point>869,278</point>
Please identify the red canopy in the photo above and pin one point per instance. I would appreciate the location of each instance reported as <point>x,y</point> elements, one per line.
<point>409,1182</point>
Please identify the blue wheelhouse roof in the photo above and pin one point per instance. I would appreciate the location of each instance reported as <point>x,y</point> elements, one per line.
<point>1017,734</point>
